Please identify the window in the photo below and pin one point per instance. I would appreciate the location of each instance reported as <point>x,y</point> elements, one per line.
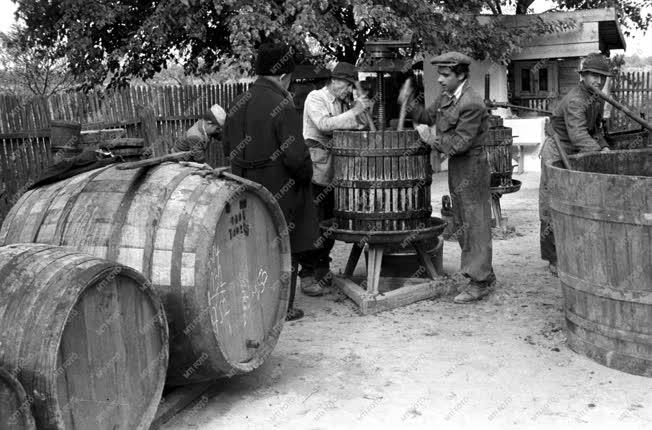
<point>543,79</point>
<point>526,76</point>
<point>535,79</point>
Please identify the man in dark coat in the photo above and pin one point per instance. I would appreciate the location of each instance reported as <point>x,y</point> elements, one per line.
<point>461,118</point>
<point>577,122</point>
<point>262,136</point>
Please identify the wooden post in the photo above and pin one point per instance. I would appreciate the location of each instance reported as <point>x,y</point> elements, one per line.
<point>149,130</point>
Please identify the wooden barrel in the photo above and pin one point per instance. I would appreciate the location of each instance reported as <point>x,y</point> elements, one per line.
<point>15,405</point>
<point>86,337</point>
<point>381,180</point>
<point>630,139</point>
<point>216,250</point>
<point>498,147</point>
<point>602,217</point>
<point>65,134</point>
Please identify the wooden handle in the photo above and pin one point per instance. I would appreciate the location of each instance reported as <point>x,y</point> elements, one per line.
<point>366,113</point>
<point>177,156</point>
<point>401,116</point>
<point>562,153</point>
<point>403,112</point>
<point>621,107</point>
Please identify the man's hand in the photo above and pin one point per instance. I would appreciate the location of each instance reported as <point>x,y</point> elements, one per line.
<point>605,149</point>
<point>361,104</point>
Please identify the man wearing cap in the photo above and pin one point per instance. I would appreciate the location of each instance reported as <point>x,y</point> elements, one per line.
<point>326,110</point>
<point>262,135</point>
<point>200,134</point>
<point>577,122</point>
<point>461,120</point>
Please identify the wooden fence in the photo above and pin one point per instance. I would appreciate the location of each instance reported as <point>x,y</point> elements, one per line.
<point>23,157</point>
<point>634,90</point>
<point>101,110</point>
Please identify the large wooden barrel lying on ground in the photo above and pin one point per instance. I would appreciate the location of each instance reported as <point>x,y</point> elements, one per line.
<point>15,406</point>
<point>216,250</point>
<point>602,217</point>
<point>381,180</point>
<point>86,337</point>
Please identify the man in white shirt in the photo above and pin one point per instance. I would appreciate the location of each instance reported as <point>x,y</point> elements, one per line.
<point>325,110</point>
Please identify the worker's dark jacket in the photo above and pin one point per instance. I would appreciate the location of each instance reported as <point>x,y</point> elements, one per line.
<point>262,135</point>
<point>462,130</point>
<point>462,124</point>
<point>577,123</point>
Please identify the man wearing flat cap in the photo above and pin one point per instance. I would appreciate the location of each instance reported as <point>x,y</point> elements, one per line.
<point>461,120</point>
<point>326,110</point>
<point>262,135</point>
<point>577,123</point>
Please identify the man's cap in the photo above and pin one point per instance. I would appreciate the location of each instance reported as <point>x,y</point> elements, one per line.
<point>274,59</point>
<point>216,115</point>
<point>345,71</point>
<point>596,63</point>
<point>450,59</point>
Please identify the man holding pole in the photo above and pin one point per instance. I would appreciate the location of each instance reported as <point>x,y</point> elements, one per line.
<point>462,119</point>
<point>576,124</point>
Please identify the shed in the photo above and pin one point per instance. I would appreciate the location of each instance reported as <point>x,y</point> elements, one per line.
<point>546,67</point>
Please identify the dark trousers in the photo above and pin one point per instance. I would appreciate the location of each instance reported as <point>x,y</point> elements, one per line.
<point>546,234</point>
<point>316,262</point>
<point>468,183</point>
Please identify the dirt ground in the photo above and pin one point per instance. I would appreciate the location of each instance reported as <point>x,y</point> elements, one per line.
<point>500,363</point>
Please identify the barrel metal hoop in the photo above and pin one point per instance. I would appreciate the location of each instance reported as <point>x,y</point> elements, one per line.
<point>611,332</point>
<point>605,291</point>
<point>365,184</point>
<point>602,214</point>
<point>413,214</point>
<point>383,152</point>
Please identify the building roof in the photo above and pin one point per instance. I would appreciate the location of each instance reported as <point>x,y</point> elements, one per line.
<point>596,30</point>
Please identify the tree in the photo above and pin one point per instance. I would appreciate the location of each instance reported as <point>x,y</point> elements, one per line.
<point>137,38</point>
<point>31,70</point>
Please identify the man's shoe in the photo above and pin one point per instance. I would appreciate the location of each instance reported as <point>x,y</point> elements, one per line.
<point>327,279</point>
<point>472,293</point>
<point>552,267</point>
<point>310,287</point>
<point>294,314</point>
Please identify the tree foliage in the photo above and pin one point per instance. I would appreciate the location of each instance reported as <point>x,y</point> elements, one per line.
<point>122,39</point>
<point>31,70</point>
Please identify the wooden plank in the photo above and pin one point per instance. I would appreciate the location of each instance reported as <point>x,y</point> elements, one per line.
<point>397,292</point>
<point>177,400</point>
<point>557,51</point>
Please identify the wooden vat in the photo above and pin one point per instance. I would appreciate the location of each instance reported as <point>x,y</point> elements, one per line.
<point>15,406</point>
<point>630,139</point>
<point>86,337</point>
<point>602,217</point>
<point>216,250</point>
<point>381,180</point>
